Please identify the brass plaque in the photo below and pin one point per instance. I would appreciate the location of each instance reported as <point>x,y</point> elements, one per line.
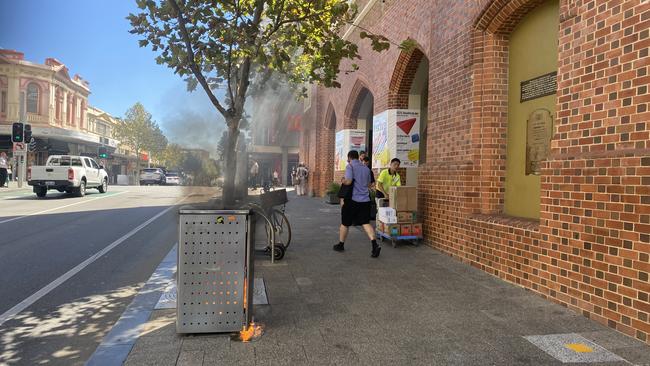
<point>539,131</point>
<point>538,87</point>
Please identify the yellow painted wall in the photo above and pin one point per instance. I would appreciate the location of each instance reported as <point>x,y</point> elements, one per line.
<point>533,52</point>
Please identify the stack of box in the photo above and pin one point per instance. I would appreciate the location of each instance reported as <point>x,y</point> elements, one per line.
<point>387,220</point>
<point>405,202</point>
<point>400,219</point>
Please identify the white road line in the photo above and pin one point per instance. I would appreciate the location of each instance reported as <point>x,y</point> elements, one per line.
<point>60,207</point>
<point>9,314</point>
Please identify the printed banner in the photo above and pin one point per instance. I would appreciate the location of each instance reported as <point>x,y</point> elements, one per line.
<point>407,137</point>
<point>340,159</point>
<point>396,134</point>
<point>381,153</point>
<point>347,140</point>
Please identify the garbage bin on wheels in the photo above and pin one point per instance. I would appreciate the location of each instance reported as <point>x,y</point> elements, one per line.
<point>215,270</point>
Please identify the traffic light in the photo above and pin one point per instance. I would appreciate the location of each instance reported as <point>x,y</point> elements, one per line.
<point>102,152</point>
<point>17,132</point>
<point>28,133</point>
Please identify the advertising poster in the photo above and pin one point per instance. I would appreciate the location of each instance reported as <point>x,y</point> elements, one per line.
<point>407,137</point>
<point>347,140</point>
<point>357,140</point>
<point>381,154</point>
<point>396,134</point>
<point>340,158</point>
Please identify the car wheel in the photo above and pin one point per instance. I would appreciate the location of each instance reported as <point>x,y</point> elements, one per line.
<point>104,187</point>
<point>81,191</point>
<point>41,192</point>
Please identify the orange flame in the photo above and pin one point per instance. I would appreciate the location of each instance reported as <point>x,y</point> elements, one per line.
<point>253,332</point>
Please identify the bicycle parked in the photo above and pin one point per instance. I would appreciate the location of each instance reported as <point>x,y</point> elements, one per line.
<point>273,223</point>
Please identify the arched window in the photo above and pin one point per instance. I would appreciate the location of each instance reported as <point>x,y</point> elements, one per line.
<point>32,98</point>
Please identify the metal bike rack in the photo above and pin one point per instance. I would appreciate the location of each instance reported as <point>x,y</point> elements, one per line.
<point>266,203</point>
<point>215,270</point>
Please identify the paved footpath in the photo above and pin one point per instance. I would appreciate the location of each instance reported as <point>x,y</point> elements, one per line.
<point>411,306</point>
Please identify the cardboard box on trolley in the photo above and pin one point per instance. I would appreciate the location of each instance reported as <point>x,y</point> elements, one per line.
<point>416,230</point>
<point>403,198</point>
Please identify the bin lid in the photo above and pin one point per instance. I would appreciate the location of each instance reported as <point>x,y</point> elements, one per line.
<point>206,210</point>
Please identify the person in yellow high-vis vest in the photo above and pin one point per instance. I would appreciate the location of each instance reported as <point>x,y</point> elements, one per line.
<point>388,178</point>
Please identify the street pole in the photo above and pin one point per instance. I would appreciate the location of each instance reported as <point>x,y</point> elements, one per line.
<point>21,153</point>
<point>20,165</point>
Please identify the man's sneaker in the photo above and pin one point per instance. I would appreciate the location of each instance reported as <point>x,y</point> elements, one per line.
<point>375,251</point>
<point>338,247</point>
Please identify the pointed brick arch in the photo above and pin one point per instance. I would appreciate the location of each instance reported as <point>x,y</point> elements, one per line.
<point>490,62</point>
<point>359,92</point>
<point>502,16</point>
<point>330,118</point>
<point>403,76</point>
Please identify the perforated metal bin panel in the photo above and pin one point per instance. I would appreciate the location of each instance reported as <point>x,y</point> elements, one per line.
<point>214,271</point>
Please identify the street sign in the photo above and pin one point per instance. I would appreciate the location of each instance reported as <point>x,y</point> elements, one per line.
<point>19,146</point>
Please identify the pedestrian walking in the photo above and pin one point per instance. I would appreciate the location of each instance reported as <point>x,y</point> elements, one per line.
<point>3,169</point>
<point>276,178</point>
<point>255,171</point>
<point>294,179</point>
<point>388,178</point>
<point>356,203</point>
<point>302,174</point>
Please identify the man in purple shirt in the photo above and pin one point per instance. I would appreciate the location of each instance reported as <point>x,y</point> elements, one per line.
<point>356,210</point>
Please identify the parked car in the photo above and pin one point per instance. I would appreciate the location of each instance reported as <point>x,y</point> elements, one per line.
<point>152,176</point>
<point>68,173</point>
<point>172,178</point>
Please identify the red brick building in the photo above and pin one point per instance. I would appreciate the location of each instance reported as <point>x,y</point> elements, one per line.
<point>574,228</point>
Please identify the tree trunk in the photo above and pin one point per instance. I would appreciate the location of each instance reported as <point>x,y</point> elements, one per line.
<point>228,194</point>
<point>137,167</point>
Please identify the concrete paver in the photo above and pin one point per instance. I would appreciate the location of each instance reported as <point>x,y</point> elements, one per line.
<point>411,306</point>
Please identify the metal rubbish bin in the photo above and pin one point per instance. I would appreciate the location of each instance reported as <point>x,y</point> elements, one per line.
<point>215,270</point>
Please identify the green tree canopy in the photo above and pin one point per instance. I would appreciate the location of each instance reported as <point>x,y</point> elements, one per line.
<point>140,133</point>
<point>230,43</point>
<point>172,156</point>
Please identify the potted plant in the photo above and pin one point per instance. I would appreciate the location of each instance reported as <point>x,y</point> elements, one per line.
<point>332,194</point>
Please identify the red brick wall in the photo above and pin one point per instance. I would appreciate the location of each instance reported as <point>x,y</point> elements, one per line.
<point>590,249</point>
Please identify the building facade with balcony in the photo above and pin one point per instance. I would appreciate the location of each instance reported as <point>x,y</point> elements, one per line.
<point>48,98</point>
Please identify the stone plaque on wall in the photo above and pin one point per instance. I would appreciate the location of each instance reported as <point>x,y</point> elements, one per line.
<point>538,87</point>
<point>539,131</point>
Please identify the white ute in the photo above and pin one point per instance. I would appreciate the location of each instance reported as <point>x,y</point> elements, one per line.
<point>68,173</point>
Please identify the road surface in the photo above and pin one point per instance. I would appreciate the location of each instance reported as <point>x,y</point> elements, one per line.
<point>69,266</point>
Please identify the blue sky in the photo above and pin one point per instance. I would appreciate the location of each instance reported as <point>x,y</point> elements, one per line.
<point>91,37</point>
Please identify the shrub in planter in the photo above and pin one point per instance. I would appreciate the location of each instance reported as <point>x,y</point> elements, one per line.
<point>332,194</point>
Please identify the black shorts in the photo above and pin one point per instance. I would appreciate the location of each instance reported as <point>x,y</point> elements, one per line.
<point>355,213</point>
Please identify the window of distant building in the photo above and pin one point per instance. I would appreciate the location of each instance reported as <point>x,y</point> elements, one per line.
<point>3,102</point>
<point>100,128</point>
<point>32,98</point>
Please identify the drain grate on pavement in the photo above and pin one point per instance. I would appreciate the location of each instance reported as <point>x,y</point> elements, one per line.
<point>570,348</point>
<point>168,298</point>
